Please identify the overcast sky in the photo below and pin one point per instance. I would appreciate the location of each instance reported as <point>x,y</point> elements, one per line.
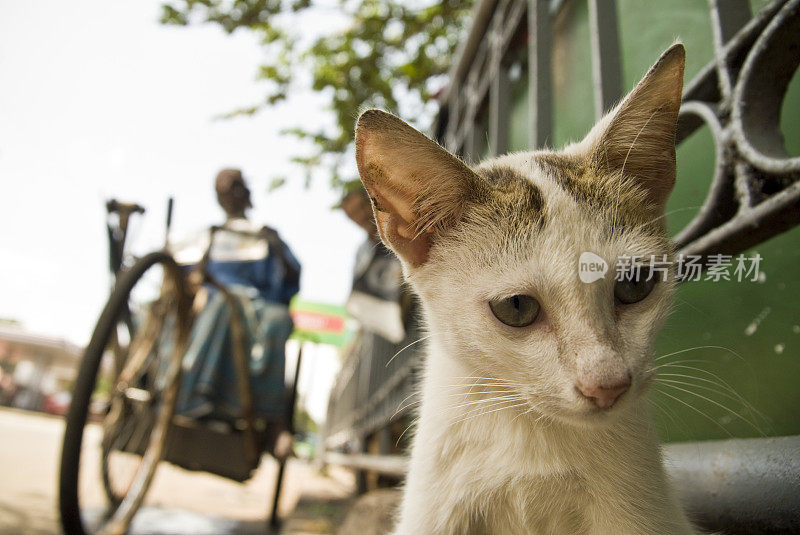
<point>98,100</point>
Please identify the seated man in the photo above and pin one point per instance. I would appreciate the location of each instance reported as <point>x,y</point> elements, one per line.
<point>262,275</point>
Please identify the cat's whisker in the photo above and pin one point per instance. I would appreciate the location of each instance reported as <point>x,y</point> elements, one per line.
<point>499,379</point>
<point>473,386</point>
<point>498,386</point>
<point>465,385</point>
<point>723,407</point>
<point>410,425</point>
<point>724,390</point>
<point>677,364</point>
<point>411,395</point>
<point>548,421</point>
<point>468,390</point>
<point>660,410</point>
<point>717,381</point>
<point>680,422</point>
<point>482,383</point>
<point>409,345</point>
<point>495,396</point>
<point>488,392</point>
<point>484,413</point>
<point>729,350</point>
<point>680,361</point>
<point>701,370</point>
<point>690,305</point>
<point>479,392</point>
<point>488,401</point>
<point>401,408</point>
<point>732,397</point>
<point>697,411</point>
<point>681,364</point>
<point>720,382</point>
<point>730,391</point>
<point>530,410</point>
<point>523,413</point>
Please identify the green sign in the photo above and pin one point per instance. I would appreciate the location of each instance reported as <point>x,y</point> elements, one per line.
<point>319,322</point>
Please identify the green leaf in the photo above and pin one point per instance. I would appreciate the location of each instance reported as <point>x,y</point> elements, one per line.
<point>386,48</point>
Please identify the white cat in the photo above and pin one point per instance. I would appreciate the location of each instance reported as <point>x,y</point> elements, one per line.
<point>534,416</point>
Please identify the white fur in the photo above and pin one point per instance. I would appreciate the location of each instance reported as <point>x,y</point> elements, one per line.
<point>543,460</point>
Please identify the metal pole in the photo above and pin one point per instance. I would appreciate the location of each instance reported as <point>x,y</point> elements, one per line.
<point>274,521</point>
<point>170,204</point>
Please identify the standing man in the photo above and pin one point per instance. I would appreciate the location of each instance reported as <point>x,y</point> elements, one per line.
<point>376,299</point>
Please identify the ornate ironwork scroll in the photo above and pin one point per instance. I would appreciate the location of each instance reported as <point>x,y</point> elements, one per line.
<point>755,191</point>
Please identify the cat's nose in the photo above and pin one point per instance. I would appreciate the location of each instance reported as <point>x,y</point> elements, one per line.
<point>603,395</point>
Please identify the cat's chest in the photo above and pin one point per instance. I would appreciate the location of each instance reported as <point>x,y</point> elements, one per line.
<point>518,481</point>
<point>552,505</point>
<point>496,450</point>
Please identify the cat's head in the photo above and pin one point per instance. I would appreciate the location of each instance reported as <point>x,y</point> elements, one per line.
<point>494,250</point>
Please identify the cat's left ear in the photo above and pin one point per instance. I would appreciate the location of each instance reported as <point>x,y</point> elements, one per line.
<point>637,139</point>
<point>417,188</point>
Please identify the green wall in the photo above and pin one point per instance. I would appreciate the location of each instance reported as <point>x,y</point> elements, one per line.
<point>757,322</point>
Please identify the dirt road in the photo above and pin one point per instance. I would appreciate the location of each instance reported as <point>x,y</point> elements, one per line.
<point>179,501</point>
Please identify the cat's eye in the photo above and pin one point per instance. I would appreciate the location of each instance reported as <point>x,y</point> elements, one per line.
<point>516,310</point>
<point>634,286</point>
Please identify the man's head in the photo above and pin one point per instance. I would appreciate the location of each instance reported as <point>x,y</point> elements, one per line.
<point>357,206</point>
<point>233,194</point>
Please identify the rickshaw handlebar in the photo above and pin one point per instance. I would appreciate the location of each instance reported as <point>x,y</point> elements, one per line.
<point>123,208</point>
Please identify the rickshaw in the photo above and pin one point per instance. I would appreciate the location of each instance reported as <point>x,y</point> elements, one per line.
<point>122,420</point>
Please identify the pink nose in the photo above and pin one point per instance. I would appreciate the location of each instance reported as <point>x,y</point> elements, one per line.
<point>603,396</point>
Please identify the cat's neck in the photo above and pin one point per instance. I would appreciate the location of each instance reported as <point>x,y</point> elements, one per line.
<point>494,461</point>
<point>456,408</point>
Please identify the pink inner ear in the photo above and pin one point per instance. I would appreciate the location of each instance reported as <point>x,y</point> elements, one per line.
<point>415,183</point>
<point>393,199</point>
<point>401,238</point>
<point>402,219</point>
<point>389,197</point>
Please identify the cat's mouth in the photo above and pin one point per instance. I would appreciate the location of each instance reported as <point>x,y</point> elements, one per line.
<point>592,417</point>
<point>575,408</point>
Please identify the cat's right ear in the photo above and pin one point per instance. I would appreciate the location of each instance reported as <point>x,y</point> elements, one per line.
<point>417,187</point>
<point>637,139</point>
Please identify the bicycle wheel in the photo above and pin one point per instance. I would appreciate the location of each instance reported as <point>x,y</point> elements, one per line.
<point>124,398</point>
